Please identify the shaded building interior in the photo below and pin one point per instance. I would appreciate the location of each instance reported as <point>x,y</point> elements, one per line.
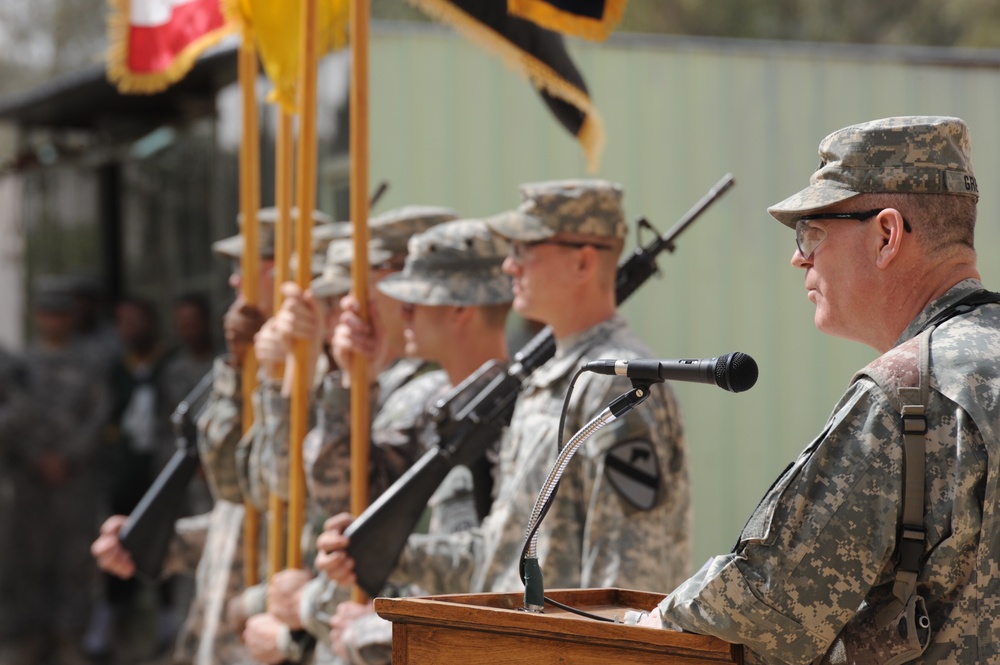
<point>132,189</point>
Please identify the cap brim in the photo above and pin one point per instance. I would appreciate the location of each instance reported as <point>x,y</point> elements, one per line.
<point>514,225</point>
<point>325,286</point>
<point>231,247</point>
<point>812,198</point>
<point>427,291</point>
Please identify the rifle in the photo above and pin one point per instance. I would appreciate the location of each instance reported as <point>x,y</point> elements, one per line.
<point>147,531</point>
<point>472,416</point>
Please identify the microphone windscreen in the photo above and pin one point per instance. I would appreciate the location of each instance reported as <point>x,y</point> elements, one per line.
<point>736,372</point>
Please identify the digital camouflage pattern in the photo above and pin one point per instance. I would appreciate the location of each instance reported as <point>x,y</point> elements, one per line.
<point>267,218</point>
<point>582,207</point>
<point>210,546</point>
<point>822,539</point>
<point>394,228</point>
<point>335,277</point>
<point>220,429</point>
<point>925,154</point>
<point>455,263</point>
<point>397,433</point>
<point>215,542</point>
<point>398,438</point>
<point>258,472</point>
<point>592,536</point>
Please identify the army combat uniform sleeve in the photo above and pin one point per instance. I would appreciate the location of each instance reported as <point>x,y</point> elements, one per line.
<point>397,439</point>
<point>220,428</point>
<point>820,539</point>
<point>187,545</point>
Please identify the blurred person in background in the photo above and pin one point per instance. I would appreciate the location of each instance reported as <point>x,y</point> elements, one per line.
<point>55,502</point>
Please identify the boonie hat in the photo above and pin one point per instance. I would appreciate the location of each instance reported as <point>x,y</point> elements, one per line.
<point>456,263</point>
<point>232,246</point>
<point>395,227</point>
<point>334,277</point>
<point>908,154</point>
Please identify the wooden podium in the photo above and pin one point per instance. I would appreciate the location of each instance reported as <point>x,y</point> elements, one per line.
<point>489,628</point>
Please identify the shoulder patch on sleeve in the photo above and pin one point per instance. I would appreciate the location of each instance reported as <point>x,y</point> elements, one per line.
<point>632,469</point>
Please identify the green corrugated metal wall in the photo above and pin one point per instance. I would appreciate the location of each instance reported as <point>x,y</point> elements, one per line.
<point>451,125</point>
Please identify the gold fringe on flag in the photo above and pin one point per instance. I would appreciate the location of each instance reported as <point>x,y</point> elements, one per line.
<point>552,18</point>
<point>141,83</point>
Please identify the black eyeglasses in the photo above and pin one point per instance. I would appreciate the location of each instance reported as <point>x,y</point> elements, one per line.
<point>809,236</point>
<point>521,251</point>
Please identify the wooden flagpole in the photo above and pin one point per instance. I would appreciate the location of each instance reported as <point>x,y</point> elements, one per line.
<point>250,269</point>
<point>283,178</point>
<point>306,189</point>
<point>360,408</point>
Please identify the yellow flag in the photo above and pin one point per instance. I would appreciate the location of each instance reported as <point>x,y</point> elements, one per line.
<point>274,26</point>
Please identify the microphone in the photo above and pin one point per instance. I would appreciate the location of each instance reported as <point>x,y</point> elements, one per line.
<point>734,372</point>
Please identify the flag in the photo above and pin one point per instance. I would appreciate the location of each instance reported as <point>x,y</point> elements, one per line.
<point>274,25</point>
<point>154,43</point>
<point>590,19</point>
<point>535,52</point>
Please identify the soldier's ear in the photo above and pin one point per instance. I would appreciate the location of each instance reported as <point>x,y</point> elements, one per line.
<point>587,259</point>
<point>891,228</point>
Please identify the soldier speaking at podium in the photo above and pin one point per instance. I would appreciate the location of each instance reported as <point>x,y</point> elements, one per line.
<point>881,540</point>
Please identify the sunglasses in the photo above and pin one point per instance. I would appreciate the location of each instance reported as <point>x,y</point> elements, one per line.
<point>809,236</point>
<point>522,251</point>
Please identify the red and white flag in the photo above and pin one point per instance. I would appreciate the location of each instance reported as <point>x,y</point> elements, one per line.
<point>156,42</point>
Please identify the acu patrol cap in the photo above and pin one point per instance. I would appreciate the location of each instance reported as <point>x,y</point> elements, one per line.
<point>584,207</point>
<point>457,263</point>
<point>908,154</point>
<point>232,247</point>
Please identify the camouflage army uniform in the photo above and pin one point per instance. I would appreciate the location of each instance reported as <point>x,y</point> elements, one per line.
<point>456,263</point>
<point>214,542</point>
<point>398,398</point>
<point>210,546</point>
<point>55,524</point>
<point>824,539</point>
<point>220,428</point>
<point>592,536</point>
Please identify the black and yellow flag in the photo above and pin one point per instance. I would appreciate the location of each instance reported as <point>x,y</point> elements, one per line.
<point>590,19</point>
<point>535,52</point>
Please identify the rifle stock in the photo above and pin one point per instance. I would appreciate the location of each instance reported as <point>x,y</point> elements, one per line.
<point>147,532</point>
<point>471,418</point>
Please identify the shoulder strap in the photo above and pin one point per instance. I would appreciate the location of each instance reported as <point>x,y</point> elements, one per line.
<point>963,306</point>
<point>914,425</point>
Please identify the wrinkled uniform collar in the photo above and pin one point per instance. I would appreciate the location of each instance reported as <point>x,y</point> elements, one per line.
<point>953,295</point>
<point>571,350</point>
